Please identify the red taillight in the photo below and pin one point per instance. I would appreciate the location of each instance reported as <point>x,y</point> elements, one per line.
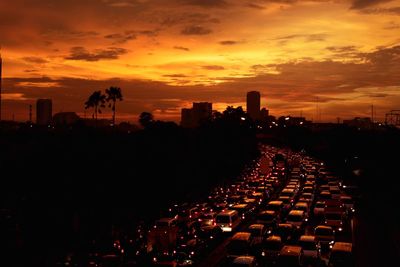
<point>230,224</point>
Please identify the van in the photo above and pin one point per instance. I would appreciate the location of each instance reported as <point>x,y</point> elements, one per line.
<point>165,223</point>
<point>341,255</point>
<point>228,220</point>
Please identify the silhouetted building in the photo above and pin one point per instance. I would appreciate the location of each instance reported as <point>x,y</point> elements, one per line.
<point>100,123</point>
<point>264,114</point>
<point>65,118</point>
<point>187,117</point>
<point>44,111</point>
<point>193,117</point>
<point>253,105</point>
<point>1,78</point>
<point>362,123</point>
<point>293,121</point>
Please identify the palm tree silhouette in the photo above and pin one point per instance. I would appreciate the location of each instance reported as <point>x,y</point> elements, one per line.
<point>96,101</point>
<point>113,94</point>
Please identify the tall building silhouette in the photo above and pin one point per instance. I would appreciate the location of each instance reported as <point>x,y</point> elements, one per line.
<point>44,111</point>
<point>1,79</point>
<point>253,105</point>
<point>192,117</point>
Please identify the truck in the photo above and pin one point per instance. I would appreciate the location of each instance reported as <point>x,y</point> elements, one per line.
<point>161,239</point>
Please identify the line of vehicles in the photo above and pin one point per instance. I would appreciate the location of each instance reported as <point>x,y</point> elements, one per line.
<point>286,209</point>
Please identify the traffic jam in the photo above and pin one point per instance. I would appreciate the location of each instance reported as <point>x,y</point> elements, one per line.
<point>286,209</point>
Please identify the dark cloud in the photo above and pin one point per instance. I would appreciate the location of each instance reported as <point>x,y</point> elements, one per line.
<point>206,3</point>
<point>389,10</point>
<point>213,67</point>
<point>35,60</point>
<point>80,53</point>
<point>253,5</point>
<point>377,95</point>
<point>120,38</point>
<point>342,49</point>
<point>181,48</point>
<point>392,26</point>
<point>175,75</point>
<point>349,51</point>
<point>186,18</point>
<point>316,37</point>
<point>360,4</point>
<point>64,33</point>
<point>228,42</point>
<point>30,70</point>
<point>195,30</point>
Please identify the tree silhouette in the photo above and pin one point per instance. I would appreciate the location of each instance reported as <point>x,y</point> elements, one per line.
<point>146,119</point>
<point>113,94</point>
<point>95,101</point>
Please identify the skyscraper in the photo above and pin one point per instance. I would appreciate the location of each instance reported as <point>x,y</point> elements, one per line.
<point>253,105</point>
<point>43,111</point>
<point>1,78</point>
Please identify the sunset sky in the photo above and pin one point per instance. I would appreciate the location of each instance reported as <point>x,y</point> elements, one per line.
<point>165,54</point>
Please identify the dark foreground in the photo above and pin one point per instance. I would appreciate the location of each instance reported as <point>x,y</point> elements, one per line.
<point>68,193</point>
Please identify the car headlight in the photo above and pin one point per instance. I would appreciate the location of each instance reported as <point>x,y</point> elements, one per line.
<point>263,254</point>
<point>340,229</point>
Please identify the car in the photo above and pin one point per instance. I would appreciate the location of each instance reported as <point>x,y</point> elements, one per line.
<point>304,206</point>
<point>335,192</point>
<point>325,195</point>
<point>271,249</point>
<point>166,223</point>
<point>276,206</point>
<point>160,260</point>
<point>268,218</point>
<point>207,218</point>
<point>244,210</point>
<point>258,232</point>
<point>334,217</point>
<point>290,192</point>
<point>325,236</point>
<point>297,218</point>
<point>319,208</point>
<point>341,255</point>
<point>244,261</point>
<point>239,245</point>
<point>307,197</point>
<point>290,256</point>
<point>308,189</point>
<point>211,233</point>
<point>286,231</point>
<point>287,203</point>
<point>348,204</point>
<point>310,248</point>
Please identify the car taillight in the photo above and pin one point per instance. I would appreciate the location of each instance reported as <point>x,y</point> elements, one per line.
<point>230,224</point>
